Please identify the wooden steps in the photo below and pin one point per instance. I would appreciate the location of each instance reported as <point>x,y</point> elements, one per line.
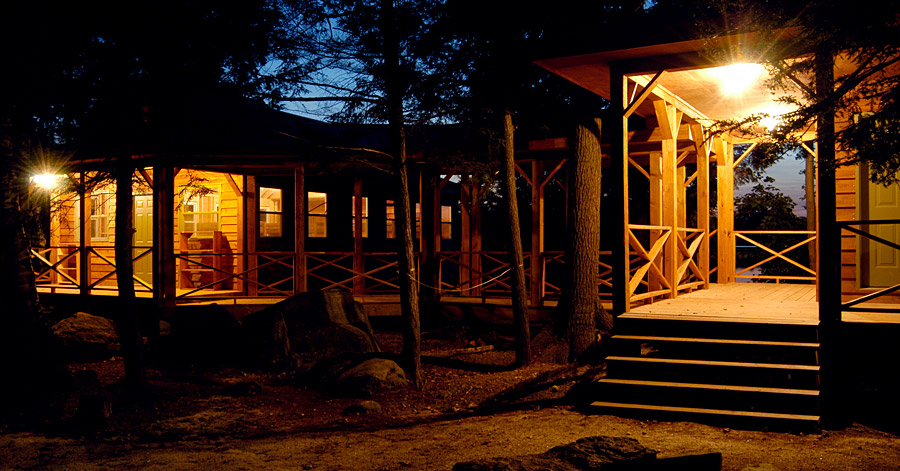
<point>710,368</point>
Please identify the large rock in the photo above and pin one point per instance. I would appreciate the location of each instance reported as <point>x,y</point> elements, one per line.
<point>308,327</point>
<point>592,453</point>
<point>86,337</point>
<point>369,377</point>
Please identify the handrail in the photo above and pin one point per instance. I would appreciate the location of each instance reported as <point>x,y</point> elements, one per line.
<point>776,254</point>
<point>849,305</point>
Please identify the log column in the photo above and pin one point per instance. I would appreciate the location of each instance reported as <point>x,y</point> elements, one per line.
<point>537,233</point>
<point>164,275</point>
<point>300,210</point>
<point>725,186</point>
<point>669,122</point>
<point>619,166</point>
<point>702,146</point>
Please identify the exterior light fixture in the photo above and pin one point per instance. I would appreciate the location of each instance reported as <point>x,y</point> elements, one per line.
<point>47,181</point>
<point>770,123</point>
<point>736,78</point>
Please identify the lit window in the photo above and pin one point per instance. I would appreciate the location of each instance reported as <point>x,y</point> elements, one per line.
<point>270,212</point>
<point>200,214</point>
<point>365,216</point>
<point>391,230</point>
<point>100,216</point>
<point>446,222</point>
<point>318,212</point>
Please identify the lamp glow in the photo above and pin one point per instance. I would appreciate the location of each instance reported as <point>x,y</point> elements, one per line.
<point>45,180</point>
<point>736,78</point>
<point>770,123</point>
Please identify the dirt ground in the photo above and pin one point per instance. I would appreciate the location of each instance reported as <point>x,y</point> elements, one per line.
<point>473,406</point>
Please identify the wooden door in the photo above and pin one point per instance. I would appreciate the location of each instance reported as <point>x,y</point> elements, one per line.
<point>143,236</point>
<point>880,263</point>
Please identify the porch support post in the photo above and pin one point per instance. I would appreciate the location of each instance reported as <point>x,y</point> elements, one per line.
<point>725,186</point>
<point>537,233</point>
<point>619,212</point>
<point>84,220</point>
<point>465,244</point>
<point>656,206</point>
<point>164,275</point>
<point>251,219</point>
<point>833,404</point>
<point>476,238</point>
<point>299,229</point>
<point>669,122</point>
<point>702,199</point>
<point>431,238</point>
<point>359,282</point>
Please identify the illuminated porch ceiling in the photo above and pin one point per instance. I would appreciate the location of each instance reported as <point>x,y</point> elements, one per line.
<point>705,90</point>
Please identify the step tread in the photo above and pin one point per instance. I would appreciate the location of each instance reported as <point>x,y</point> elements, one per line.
<point>720,341</point>
<point>697,410</point>
<point>780,366</point>
<point>718,387</point>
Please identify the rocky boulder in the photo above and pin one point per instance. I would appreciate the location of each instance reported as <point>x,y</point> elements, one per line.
<point>592,453</point>
<point>308,327</point>
<point>86,337</point>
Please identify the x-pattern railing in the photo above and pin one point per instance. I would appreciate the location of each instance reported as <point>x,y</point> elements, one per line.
<point>269,260</point>
<point>775,254</point>
<point>851,306</point>
<point>648,264</point>
<point>492,276</point>
<point>557,259</point>
<point>108,265</point>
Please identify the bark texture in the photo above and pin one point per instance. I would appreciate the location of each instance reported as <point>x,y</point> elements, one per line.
<point>519,299</point>
<point>584,239</point>
<point>129,322</point>
<point>409,305</point>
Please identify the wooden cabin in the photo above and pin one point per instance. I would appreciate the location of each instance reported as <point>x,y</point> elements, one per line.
<point>280,211</point>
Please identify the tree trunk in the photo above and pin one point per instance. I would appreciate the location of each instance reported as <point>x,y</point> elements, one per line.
<point>517,263</point>
<point>409,298</point>
<point>129,322</point>
<point>811,222</point>
<point>584,239</point>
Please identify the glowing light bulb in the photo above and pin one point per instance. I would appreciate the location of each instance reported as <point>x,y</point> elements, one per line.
<point>736,78</point>
<point>770,123</point>
<point>45,180</point>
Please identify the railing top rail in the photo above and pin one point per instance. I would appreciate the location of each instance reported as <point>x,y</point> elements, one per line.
<point>774,232</point>
<point>867,221</point>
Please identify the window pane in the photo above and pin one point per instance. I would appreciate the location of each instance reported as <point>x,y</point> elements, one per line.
<point>318,209</point>
<point>365,215</point>
<point>446,222</point>
<point>390,231</point>
<point>270,208</point>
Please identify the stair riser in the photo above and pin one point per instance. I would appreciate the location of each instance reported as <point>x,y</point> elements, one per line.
<point>742,376</point>
<point>705,398</point>
<point>716,352</point>
<point>720,330</point>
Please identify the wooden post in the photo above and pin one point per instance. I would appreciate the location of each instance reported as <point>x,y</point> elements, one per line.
<point>84,233</point>
<point>465,246</point>
<point>725,204</point>
<point>433,277</point>
<point>359,283</point>
<point>537,233</point>
<point>238,283</point>
<point>831,359</point>
<point>164,276</point>
<point>300,210</point>
<point>656,207</point>
<point>251,229</point>
<point>476,239</point>
<point>702,199</point>
<point>619,164</point>
<point>669,122</point>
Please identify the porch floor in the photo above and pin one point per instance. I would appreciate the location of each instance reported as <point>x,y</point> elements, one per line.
<point>761,303</point>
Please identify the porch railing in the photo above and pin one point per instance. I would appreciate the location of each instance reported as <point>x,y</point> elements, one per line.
<point>66,266</point>
<point>477,273</point>
<point>770,257</point>
<point>649,276</point>
<point>856,305</point>
<point>263,274</point>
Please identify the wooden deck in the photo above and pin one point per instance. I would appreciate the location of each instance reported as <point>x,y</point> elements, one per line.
<point>762,303</point>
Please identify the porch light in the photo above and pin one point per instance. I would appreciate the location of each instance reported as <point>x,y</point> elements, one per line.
<point>736,78</point>
<point>48,181</point>
<point>770,123</point>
